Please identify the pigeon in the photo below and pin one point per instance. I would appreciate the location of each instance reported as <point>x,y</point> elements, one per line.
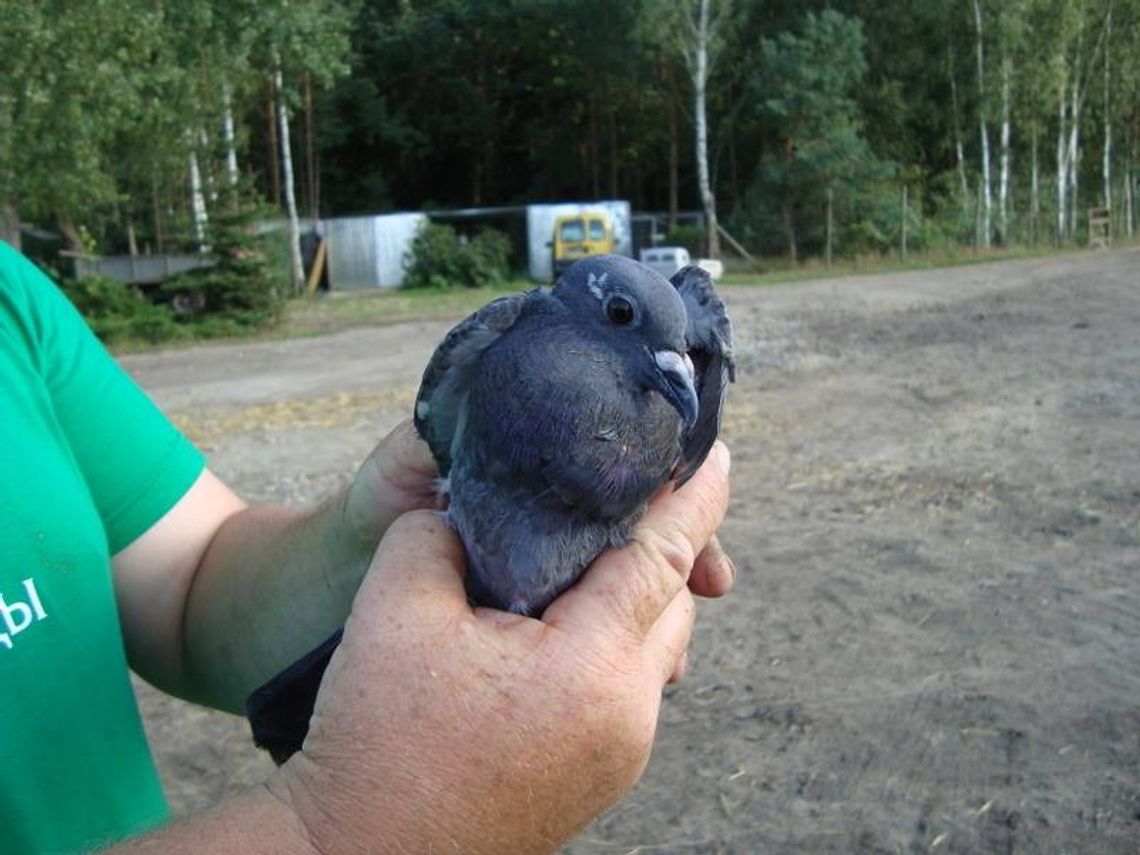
<point>553,415</point>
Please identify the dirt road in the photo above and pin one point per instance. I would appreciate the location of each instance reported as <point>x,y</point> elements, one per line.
<point>934,644</point>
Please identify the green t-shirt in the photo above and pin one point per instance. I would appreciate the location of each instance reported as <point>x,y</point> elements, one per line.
<point>87,464</point>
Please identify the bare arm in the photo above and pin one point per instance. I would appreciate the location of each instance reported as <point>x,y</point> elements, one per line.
<point>558,716</point>
<point>217,597</point>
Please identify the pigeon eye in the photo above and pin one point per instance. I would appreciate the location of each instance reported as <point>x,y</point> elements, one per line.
<point>620,311</point>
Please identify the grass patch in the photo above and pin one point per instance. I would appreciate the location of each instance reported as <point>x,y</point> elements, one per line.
<point>780,271</point>
<point>309,316</point>
<point>346,309</point>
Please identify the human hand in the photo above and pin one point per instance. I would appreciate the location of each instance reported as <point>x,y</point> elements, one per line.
<point>441,726</point>
<point>398,476</point>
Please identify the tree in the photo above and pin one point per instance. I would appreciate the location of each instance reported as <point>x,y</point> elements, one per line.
<point>701,46</point>
<point>807,88</point>
<point>72,87</point>
<point>987,196</point>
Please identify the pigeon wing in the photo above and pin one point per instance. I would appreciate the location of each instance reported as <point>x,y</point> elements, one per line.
<point>441,402</point>
<point>709,341</point>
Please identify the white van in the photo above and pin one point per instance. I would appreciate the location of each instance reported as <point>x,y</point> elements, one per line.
<point>666,260</point>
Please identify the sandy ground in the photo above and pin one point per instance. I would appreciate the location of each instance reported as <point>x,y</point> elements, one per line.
<point>934,644</point>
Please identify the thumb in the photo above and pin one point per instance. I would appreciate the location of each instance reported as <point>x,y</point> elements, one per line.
<point>421,558</point>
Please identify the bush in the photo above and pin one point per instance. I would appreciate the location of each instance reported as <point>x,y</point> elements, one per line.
<point>116,312</point>
<point>439,258</point>
<point>692,238</point>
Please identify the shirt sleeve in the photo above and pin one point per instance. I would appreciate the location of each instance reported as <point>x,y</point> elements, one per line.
<point>137,464</point>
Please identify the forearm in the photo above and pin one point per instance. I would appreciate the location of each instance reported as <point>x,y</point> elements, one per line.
<point>253,823</point>
<point>273,583</point>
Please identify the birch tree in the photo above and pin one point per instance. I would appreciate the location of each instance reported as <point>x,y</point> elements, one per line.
<point>228,134</point>
<point>297,267</point>
<point>987,193</point>
<point>199,215</point>
<point>959,149</point>
<point>700,46</point>
<point>1106,163</point>
<point>1003,185</point>
<point>299,37</point>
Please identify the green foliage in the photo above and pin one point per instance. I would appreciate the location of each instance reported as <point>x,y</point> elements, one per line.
<point>807,91</point>
<point>443,103</point>
<point>117,312</point>
<point>692,238</point>
<point>239,291</point>
<point>440,258</point>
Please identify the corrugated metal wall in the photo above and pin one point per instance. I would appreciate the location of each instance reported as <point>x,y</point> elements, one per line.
<point>369,252</point>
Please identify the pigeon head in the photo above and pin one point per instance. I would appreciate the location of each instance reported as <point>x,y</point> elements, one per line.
<point>640,312</point>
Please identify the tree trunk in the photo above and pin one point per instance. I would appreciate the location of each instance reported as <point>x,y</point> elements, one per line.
<point>1129,203</point>
<point>700,82</point>
<point>1107,166</point>
<point>1034,192</point>
<point>987,196</point>
<point>905,213</point>
<point>674,155</point>
<point>157,203</point>
<point>1003,189</point>
<point>790,232</point>
<point>830,225</point>
<point>228,135</point>
<point>197,203</point>
<point>595,157</point>
<point>1062,168</point>
<point>1130,189</point>
<point>70,233</point>
<point>298,268</point>
<point>274,148</point>
<point>209,186</point>
<point>10,224</point>
<point>1073,156</point>
<point>958,148</point>
<point>611,131</point>
<point>313,204</point>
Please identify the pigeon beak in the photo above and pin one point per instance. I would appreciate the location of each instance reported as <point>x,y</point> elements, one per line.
<point>676,373</point>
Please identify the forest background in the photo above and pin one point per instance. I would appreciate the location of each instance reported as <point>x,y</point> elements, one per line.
<point>804,128</point>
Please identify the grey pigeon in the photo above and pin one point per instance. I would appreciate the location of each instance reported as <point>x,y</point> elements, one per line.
<point>555,414</point>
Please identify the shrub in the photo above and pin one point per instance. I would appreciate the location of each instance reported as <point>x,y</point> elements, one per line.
<point>117,312</point>
<point>692,238</point>
<point>439,258</point>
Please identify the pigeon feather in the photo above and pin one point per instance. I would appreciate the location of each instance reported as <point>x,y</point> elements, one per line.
<point>554,415</point>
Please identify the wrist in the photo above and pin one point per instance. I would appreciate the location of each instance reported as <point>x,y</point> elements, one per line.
<point>332,815</point>
<point>300,807</point>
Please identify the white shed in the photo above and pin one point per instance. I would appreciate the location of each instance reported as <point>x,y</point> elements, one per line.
<point>370,252</point>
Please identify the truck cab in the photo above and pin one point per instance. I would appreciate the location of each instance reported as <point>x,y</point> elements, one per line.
<point>579,235</point>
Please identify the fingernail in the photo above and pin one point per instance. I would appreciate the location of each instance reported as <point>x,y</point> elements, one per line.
<point>730,568</point>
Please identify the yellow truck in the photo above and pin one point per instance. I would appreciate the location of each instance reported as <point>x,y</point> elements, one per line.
<point>579,235</point>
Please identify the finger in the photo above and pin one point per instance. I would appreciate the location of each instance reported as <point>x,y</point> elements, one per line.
<point>403,460</point>
<point>625,591</point>
<point>406,449</point>
<point>668,640</point>
<point>419,556</point>
<point>713,572</point>
<point>682,668</point>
